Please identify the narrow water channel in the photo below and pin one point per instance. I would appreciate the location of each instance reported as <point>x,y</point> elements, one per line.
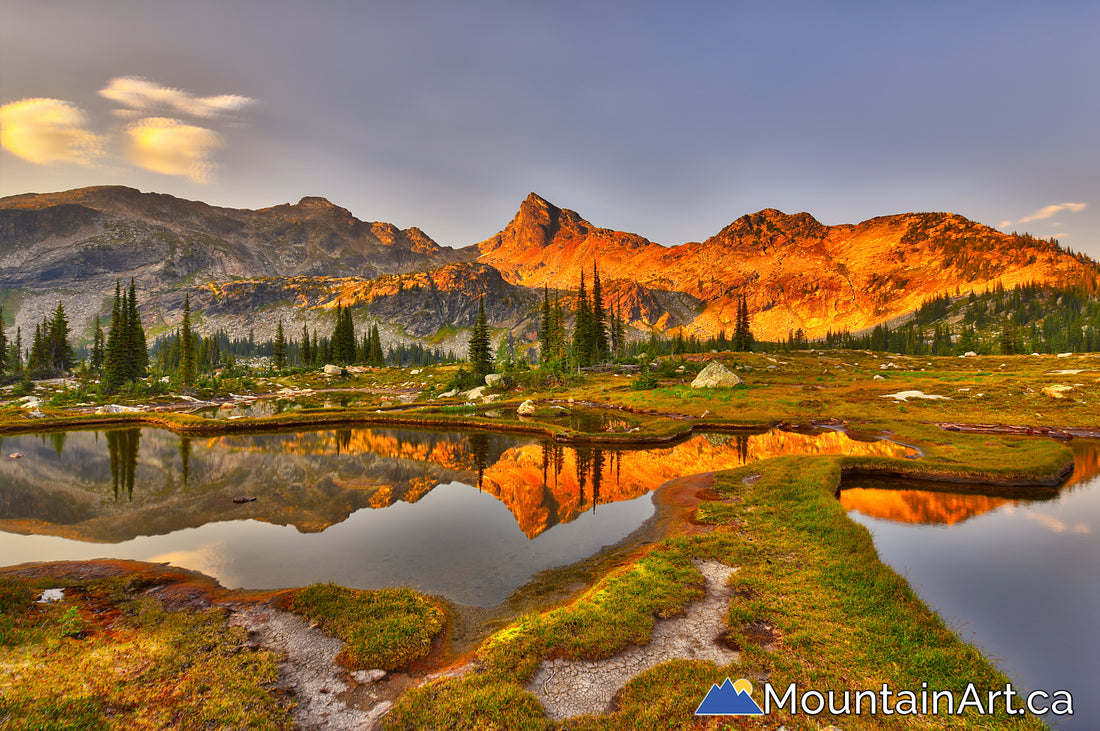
<point>1018,577</point>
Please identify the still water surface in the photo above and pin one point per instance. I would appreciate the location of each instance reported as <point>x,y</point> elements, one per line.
<point>471,516</point>
<point>1019,578</point>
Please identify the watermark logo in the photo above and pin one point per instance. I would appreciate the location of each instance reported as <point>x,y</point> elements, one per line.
<point>730,699</point>
<point>735,699</point>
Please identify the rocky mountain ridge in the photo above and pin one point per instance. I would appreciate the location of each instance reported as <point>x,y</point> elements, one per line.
<point>246,269</point>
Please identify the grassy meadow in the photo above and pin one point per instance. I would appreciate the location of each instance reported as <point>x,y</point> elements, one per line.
<point>835,617</point>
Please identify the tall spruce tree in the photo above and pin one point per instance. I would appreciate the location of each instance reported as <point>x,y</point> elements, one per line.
<point>546,353</point>
<point>96,363</point>
<point>583,329</point>
<point>136,347</point>
<point>375,356</point>
<point>278,349</point>
<point>480,355</point>
<point>307,355</point>
<point>60,356</point>
<point>600,349</point>
<point>3,345</point>
<point>115,372</point>
<point>187,347</point>
<point>343,337</point>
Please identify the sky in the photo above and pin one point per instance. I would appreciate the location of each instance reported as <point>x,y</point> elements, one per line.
<point>669,120</point>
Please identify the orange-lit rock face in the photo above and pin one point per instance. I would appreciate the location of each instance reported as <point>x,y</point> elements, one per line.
<point>918,506</point>
<point>795,272</point>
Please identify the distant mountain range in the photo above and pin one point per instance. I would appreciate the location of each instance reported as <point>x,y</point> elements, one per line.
<point>245,269</point>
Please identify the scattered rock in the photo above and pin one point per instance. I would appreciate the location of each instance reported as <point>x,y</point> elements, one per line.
<point>493,379</point>
<point>117,409</point>
<point>332,370</point>
<point>475,393</point>
<point>242,499</point>
<point>877,377</point>
<point>716,375</point>
<point>15,455</point>
<point>1058,391</point>
<point>970,354</point>
<point>449,394</point>
<point>368,676</point>
<point>906,395</point>
<point>49,596</point>
<point>1064,355</point>
<point>527,408</point>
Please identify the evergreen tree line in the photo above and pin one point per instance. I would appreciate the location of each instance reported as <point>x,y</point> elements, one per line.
<point>1030,318</point>
<point>599,333</point>
<point>220,350</point>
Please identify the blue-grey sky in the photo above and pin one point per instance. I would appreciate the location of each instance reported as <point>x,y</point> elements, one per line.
<point>665,119</point>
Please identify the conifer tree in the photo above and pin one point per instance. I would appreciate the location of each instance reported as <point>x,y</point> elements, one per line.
<point>3,345</point>
<point>583,331</point>
<point>600,348</point>
<point>15,355</point>
<point>187,347</point>
<point>546,353</point>
<point>343,337</point>
<point>375,356</point>
<point>307,355</point>
<point>115,372</point>
<point>37,359</point>
<point>136,346</point>
<point>278,352</point>
<point>480,356</point>
<point>96,363</point>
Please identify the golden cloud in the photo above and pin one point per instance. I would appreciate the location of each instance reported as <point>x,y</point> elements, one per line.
<point>1047,211</point>
<point>47,131</point>
<point>141,94</point>
<point>171,147</point>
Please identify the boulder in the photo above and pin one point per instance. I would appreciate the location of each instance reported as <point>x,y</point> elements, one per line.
<point>475,393</point>
<point>527,408</point>
<point>1057,391</point>
<point>493,379</point>
<point>716,375</point>
<point>448,394</point>
<point>332,370</point>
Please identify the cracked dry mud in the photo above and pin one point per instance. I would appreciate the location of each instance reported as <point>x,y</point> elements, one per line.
<point>328,697</point>
<point>568,688</point>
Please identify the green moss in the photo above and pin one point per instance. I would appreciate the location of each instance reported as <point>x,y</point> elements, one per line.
<point>91,662</point>
<point>387,629</point>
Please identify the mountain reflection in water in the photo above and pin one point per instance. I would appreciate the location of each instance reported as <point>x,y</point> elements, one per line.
<point>1013,572</point>
<point>912,501</point>
<point>111,486</point>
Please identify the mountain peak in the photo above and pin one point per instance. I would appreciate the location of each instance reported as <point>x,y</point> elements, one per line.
<point>316,201</point>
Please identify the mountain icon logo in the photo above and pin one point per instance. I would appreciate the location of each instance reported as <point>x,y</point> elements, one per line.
<point>729,699</point>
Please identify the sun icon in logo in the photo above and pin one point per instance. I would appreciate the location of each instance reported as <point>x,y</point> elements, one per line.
<point>729,699</point>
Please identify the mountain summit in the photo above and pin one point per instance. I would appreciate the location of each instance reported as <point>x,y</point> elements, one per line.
<point>296,261</point>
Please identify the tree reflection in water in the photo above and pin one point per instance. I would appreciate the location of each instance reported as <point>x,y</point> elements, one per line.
<point>123,446</point>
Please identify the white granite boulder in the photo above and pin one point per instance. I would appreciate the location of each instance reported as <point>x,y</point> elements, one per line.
<point>716,375</point>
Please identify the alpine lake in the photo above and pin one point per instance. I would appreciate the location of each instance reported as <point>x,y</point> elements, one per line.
<point>473,516</point>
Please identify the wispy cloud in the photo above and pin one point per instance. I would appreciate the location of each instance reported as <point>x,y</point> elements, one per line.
<point>148,134</point>
<point>143,95</point>
<point>1047,212</point>
<point>48,131</point>
<point>171,147</point>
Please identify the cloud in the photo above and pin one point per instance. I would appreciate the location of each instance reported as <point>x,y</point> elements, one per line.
<point>1056,525</point>
<point>143,95</point>
<point>1048,211</point>
<point>171,147</point>
<point>48,131</point>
